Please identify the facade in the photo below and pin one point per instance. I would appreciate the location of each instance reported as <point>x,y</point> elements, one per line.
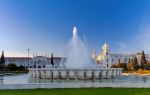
<point>44,61</point>
<point>39,62</point>
<point>19,61</point>
<point>33,62</point>
<point>107,59</point>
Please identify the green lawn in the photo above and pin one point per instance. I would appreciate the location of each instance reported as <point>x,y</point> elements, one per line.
<point>79,91</point>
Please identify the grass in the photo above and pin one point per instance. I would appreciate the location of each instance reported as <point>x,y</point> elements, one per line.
<point>80,91</point>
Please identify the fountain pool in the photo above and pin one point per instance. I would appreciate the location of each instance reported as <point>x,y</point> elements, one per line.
<point>25,79</point>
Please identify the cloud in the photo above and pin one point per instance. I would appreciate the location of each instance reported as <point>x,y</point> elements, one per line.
<point>138,42</point>
<point>122,47</point>
<point>14,54</point>
<point>143,38</point>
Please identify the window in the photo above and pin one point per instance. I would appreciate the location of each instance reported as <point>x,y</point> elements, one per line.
<point>43,66</point>
<point>112,60</point>
<point>125,60</point>
<point>131,60</point>
<point>107,60</point>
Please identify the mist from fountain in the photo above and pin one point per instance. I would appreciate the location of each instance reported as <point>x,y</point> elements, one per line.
<point>77,55</point>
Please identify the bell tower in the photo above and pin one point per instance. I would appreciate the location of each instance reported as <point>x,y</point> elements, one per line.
<point>105,49</point>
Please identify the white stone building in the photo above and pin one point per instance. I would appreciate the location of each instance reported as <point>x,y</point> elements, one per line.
<point>39,62</point>
<point>106,58</point>
<point>19,61</point>
<point>44,61</point>
<point>35,62</point>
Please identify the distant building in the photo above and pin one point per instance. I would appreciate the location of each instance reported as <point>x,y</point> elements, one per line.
<point>94,56</point>
<point>107,59</point>
<point>19,61</point>
<point>35,62</point>
<point>43,62</point>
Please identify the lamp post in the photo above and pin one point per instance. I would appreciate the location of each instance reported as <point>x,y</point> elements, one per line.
<point>28,57</point>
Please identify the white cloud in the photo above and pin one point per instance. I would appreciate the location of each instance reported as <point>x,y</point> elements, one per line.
<point>143,38</point>
<point>14,54</point>
<point>138,42</point>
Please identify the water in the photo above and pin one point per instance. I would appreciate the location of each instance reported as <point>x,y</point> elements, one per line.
<point>77,54</point>
<point>25,79</point>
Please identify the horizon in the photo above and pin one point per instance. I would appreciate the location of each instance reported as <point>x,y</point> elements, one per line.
<point>46,26</point>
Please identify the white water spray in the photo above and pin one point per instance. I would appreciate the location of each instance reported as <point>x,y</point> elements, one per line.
<point>77,54</point>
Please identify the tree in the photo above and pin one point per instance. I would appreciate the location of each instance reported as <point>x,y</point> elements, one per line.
<point>146,66</point>
<point>124,66</point>
<point>11,67</point>
<point>129,65</point>
<point>113,66</point>
<point>119,64</point>
<point>52,59</point>
<point>143,59</point>
<point>2,58</point>
<point>135,62</point>
<point>135,65</point>
<point>2,61</point>
<point>21,68</point>
<point>119,61</point>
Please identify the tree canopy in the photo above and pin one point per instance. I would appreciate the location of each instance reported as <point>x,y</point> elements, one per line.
<point>52,59</point>
<point>143,59</point>
<point>129,64</point>
<point>2,61</point>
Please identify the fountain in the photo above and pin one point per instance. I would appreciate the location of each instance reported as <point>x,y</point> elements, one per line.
<point>77,53</point>
<point>77,65</point>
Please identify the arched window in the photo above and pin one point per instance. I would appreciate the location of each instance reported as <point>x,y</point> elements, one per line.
<point>125,60</point>
<point>119,60</point>
<point>112,60</point>
<point>107,60</point>
<point>34,66</point>
<point>131,60</point>
<point>43,66</point>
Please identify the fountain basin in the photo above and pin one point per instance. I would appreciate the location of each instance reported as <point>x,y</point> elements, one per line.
<point>73,73</point>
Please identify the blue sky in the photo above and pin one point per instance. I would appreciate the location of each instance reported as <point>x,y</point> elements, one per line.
<point>45,26</point>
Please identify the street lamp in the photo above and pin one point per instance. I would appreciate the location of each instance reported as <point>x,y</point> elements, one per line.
<point>28,57</point>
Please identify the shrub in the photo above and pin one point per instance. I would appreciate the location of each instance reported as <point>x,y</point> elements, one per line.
<point>11,67</point>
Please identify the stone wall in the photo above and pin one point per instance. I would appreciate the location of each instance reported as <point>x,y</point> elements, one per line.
<point>74,85</point>
<point>79,74</point>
